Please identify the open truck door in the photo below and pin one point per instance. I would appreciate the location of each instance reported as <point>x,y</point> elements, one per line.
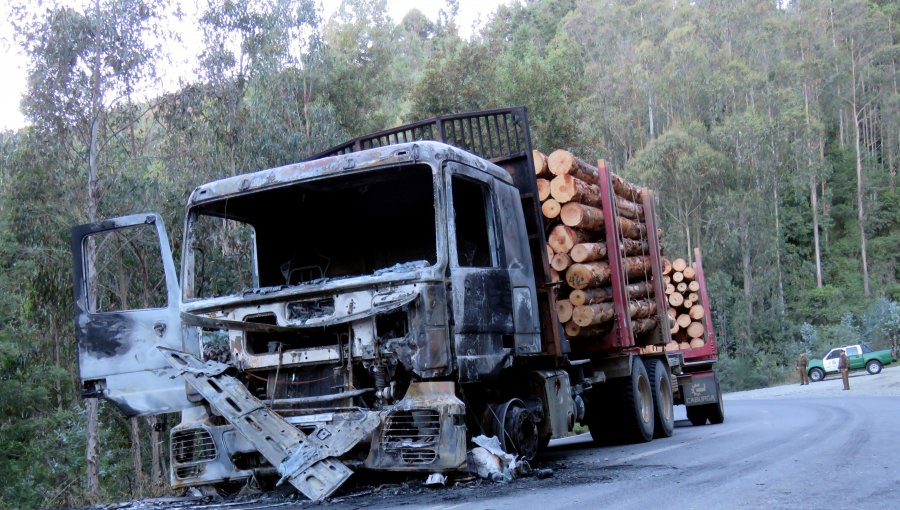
<point>126,306</point>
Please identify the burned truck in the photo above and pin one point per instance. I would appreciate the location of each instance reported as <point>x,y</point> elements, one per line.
<point>372,308</point>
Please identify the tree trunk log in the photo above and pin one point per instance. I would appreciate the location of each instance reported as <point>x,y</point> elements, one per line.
<point>641,326</point>
<point>679,265</point>
<point>551,209</point>
<point>676,300</point>
<point>560,262</point>
<point>543,186</point>
<point>550,252</point>
<point>681,287</point>
<point>687,303</point>
<point>670,289</point>
<point>696,330</point>
<point>592,274</point>
<point>666,265</point>
<point>563,162</point>
<point>582,216</point>
<point>629,209</point>
<point>575,331</point>
<point>675,328</point>
<point>677,277</point>
<point>590,296</point>
<point>554,276</point>
<point>697,312</point>
<point>564,310</point>
<point>625,189</point>
<point>565,188</point>
<point>588,252</point>
<point>697,343</point>
<point>694,297</point>
<point>642,308</point>
<point>689,273</point>
<point>637,266</point>
<point>639,290</point>
<point>541,168</point>
<point>563,238</point>
<point>694,286</point>
<point>632,229</point>
<point>591,315</point>
<point>683,320</point>
<point>634,247</point>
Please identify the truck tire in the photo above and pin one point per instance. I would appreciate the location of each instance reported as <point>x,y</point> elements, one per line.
<point>873,366</point>
<point>716,412</point>
<point>661,390</point>
<point>637,404</point>
<point>816,374</point>
<point>697,415</point>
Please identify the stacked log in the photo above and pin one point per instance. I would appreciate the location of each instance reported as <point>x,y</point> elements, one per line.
<point>572,204</point>
<point>686,312</point>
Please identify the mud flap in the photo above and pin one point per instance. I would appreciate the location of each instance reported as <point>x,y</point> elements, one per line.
<point>304,461</point>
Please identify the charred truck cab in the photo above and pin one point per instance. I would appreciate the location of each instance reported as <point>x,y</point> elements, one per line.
<point>375,307</point>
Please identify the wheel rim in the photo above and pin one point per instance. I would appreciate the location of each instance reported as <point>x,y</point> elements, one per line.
<point>664,396</point>
<point>521,431</point>
<point>815,374</point>
<point>873,368</point>
<point>646,409</point>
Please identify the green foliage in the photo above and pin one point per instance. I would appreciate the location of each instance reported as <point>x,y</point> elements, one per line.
<point>735,112</point>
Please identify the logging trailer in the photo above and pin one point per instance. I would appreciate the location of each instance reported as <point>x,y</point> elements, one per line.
<point>376,307</point>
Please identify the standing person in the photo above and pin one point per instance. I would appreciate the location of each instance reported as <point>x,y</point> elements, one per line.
<point>802,362</point>
<point>844,365</point>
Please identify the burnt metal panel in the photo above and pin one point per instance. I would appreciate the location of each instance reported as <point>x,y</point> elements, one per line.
<point>117,351</point>
<point>502,136</point>
<point>482,301</point>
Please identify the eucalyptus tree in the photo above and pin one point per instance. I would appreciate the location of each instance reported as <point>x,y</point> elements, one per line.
<point>84,63</point>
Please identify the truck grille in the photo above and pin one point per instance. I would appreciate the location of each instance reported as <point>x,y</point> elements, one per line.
<point>413,435</point>
<point>191,447</point>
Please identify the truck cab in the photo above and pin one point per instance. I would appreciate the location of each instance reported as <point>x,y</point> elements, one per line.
<point>380,283</point>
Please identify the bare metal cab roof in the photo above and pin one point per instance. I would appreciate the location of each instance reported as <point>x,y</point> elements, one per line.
<point>404,153</point>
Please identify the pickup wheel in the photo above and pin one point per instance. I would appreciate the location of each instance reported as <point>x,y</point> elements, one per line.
<point>873,366</point>
<point>697,415</point>
<point>661,390</point>
<point>816,374</point>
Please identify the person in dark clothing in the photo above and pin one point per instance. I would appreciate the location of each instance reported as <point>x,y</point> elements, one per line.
<point>844,366</point>
<point>802,363</point>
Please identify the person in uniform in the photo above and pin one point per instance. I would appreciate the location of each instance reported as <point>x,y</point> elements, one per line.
<point>802,362</point>
<point>844,365</point>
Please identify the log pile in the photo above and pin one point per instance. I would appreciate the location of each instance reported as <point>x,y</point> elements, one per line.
<point>685,312</point>
<point>572,205</point>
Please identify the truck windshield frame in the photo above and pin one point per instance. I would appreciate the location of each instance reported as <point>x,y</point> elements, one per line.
<point>371,222</point>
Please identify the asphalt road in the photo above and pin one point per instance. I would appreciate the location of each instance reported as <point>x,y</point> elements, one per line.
<point>788,447</point>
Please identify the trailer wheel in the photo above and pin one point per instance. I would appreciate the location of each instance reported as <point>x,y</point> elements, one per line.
<point>661,389</point>
<point>716,412</point>
<point>637,400</point>
<point>697,415</point>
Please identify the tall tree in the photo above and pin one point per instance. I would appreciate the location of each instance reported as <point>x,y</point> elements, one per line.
<point>83,64</point>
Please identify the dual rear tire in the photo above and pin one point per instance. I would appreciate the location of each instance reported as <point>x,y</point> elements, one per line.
<point>635,408</point>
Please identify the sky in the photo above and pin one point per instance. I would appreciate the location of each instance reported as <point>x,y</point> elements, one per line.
<point>13,64</point>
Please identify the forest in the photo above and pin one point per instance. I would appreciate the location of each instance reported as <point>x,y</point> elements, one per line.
<point>770,129</point>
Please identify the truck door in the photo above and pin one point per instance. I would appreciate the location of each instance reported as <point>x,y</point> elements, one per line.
<point>481,292</point>
<point>855,357</point>
<point>831,360</point>
<point>127,304</point>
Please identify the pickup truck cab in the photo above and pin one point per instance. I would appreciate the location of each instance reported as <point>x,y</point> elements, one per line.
<point>859,355</point>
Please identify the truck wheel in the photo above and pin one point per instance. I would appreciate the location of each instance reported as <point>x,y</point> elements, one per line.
<point>661,389</point>
<point>716,412</point>
<point>637,400</point>
<point>873,366</point>
<point>697,415</point>
<point>816,374</point>
<point>515,426</point>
